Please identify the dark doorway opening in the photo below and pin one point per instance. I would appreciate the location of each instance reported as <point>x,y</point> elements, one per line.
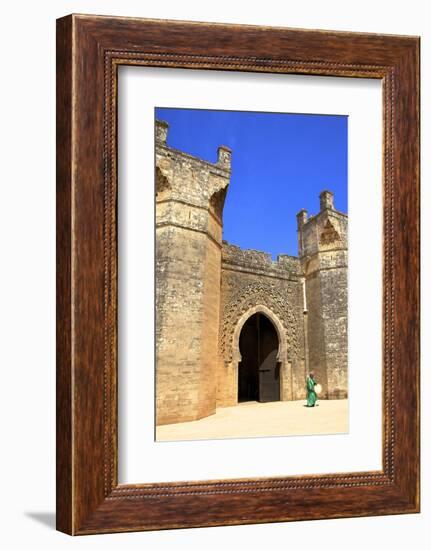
<point>258,371</point>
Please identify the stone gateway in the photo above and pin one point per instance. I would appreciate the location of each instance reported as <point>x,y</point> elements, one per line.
<point>233,325</point>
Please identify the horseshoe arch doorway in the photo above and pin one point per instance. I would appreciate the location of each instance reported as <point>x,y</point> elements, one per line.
<point>259,370</point>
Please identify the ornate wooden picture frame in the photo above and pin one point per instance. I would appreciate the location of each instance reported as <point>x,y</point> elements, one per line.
<point>89,51</point>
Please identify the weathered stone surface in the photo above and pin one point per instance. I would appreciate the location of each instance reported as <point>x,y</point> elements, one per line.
<point>206,289</point>
<point>323,255</point>
<point>188,265</point>
<point>250,280</point>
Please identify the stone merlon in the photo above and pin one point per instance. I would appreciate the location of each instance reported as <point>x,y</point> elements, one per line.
<point>224,153</point>
<point>162,128</point>
<point>326,203</point>
<point>224,156</point>
<point>301,218</point>
<point>326,200</point>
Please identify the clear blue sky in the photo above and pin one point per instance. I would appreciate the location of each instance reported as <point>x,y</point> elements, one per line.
<point>280,164</point>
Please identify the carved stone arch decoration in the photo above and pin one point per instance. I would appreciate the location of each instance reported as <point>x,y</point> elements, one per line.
<point>281,332</point>
<point>162,182</point>
<point>217,202</point>
<point>329,235</point>
<point>264,295</point>
<point>282,355</point>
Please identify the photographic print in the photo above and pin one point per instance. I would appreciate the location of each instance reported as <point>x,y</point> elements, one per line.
<point>251,274</point>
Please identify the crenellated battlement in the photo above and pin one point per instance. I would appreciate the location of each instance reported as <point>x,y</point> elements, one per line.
<point>260,262</point>
<point>224,154</point>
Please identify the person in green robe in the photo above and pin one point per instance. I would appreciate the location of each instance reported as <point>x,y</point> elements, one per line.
<point>311,394</point>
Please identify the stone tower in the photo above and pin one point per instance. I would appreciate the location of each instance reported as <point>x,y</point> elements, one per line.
<point>322,251</point>
<point>190,195</point>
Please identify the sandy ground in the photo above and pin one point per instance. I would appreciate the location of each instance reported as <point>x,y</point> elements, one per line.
<point>252,419</point>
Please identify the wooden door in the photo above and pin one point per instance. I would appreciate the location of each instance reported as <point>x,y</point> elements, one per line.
<point>258,371</point>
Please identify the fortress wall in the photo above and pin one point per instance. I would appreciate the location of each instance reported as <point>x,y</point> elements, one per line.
<point>179,299</point>
<point>207,399</point>
<point>250,278</point>
<point>316,333</point>
<point>334,311</point>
